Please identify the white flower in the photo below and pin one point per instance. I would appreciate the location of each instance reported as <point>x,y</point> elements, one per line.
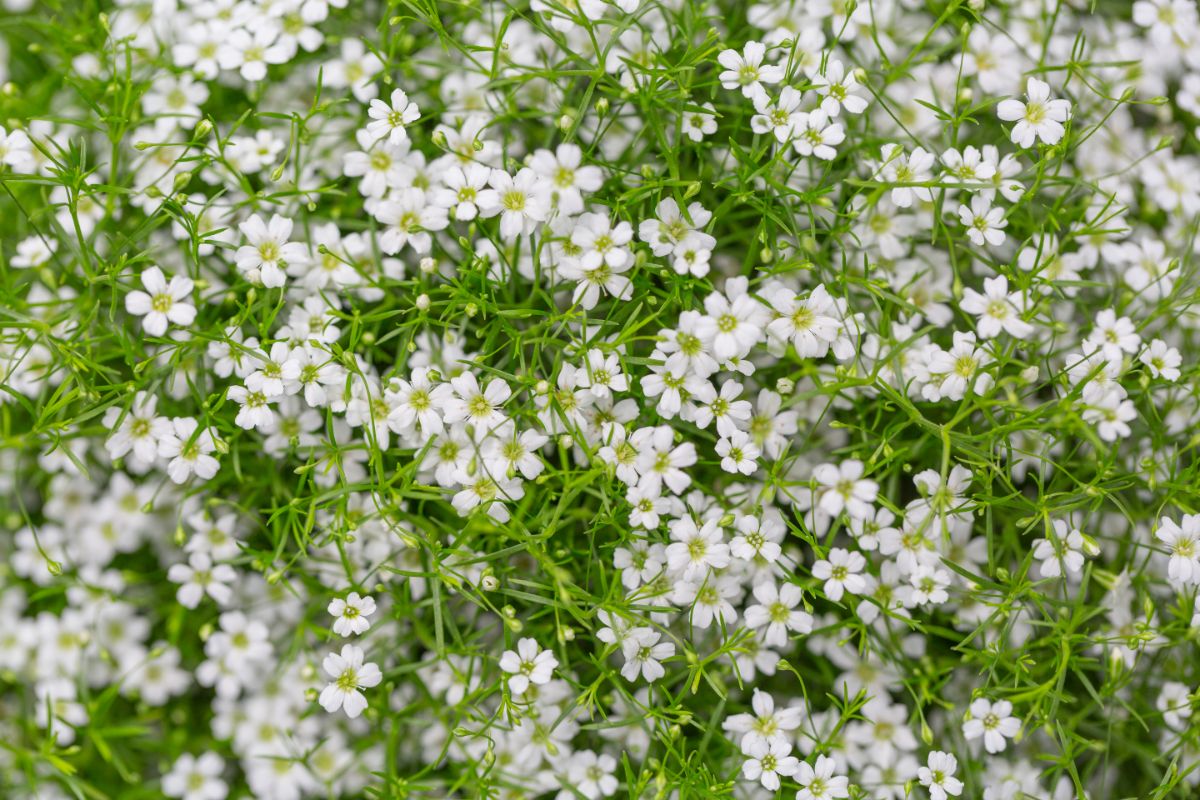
<point>461,192</point>
<point>810,323</point>
<point>993,721</point>
<point>643,653</point>
<point>672,227</point>
<point>255,409</point>
<point>417,404</point>
<point>1109,409</point>
<point>590,775</point>
<point>841,573</point>
<point>140,430</point>
<point>842,486</point>
<point>777,117</point>
<point>757,540</point>
<point>648,508</point>
<point>489,492</point>
<point>1065,551</point>
<point>660,461</point>
<point>938,776</point>
<point>1113,336</point>
<point>566,175</point>
<point>521,200</point>
<point>1037,118</point>
<point>765,762</point>
<point>409,217</point>
<point>351,615</point>
<point>602,374</point>
<point>746,70</point>
<point>1162,361</point>
<point>953,371</point>
<point>389,121</point>
<point>738,452</point>
<point>1183,546</point>
<point>776,611</point>
<point>819,783</point>
<point>350,675</point>
<point>162,302</point>
<point>1175,703</point>
<point>33,252</point>
<point>766,724</point>
<point>192,778</point>
<point>250,51</point>
<point>916,167</point>
<point>929,584</point>
<point>188,451</point>
<point>278,373</point>
<point>985,223</point>
<point>602,256</point>
<point>267,253</point>
<point>695,550</point>
<point>528,664</point>
<point>733,322</point>
<point>480,408</point>
<point>967,168</point>
<point>16,150</point>
<point>709,600</point>
<point>997,309</point>
<point>814,135</point>
<point>699,122</point>
<point>198,577</point>
<point>839,90</point>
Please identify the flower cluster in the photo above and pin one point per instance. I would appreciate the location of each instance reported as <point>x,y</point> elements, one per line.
<point>648,398</point>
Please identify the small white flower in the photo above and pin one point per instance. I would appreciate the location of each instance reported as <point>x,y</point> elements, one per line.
<point>985,223</point>
<point>819,783</point>
<point>738,452</point>
<point>839,89</point>
<point>993,721</point>
<point>815,135</point>
<point>188,449</point>
<point>840,572</point>
<point>521,201</point>
<point>199,577</point>
<point>351,615</point>
<point>746,70</point>
<point>192,778</point>
<point>916,167</point>
<point>938,776</point>
<point>528,664</point>
<point>643,653</point>
<point>162,303</point>
<point>842,487</point>
<point>766,761</point>
<point>267,253</point>
<point>33,252</point>
<point>1183,547</point>
<point>776,612</point>
<point>1065,552</point>
<point>1038,117</point>
<point>389,121</point>
<point>695,550</point>
<point>699,122</point>
<point>350,675</point>
<point>929,584</point>
<point>997,309</point>
<point>1162,361</point>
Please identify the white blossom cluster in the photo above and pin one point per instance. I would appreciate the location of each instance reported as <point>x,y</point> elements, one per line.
<point>647,398</point>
